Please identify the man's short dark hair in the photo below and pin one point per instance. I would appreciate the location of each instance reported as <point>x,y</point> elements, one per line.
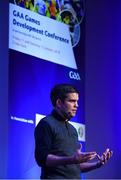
<point>60,91</point>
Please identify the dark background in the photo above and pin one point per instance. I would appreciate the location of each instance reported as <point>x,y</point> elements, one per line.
<point>103,83</point>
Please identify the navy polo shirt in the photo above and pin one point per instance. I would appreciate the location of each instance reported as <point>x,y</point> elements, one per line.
<point>55,136</point>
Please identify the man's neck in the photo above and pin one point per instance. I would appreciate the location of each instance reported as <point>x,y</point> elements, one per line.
<point>64,116</point>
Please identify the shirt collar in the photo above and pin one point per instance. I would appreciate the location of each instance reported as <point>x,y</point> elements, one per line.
<point>57,116</point>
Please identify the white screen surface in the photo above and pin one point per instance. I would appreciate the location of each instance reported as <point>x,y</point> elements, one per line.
<point>39,36</point>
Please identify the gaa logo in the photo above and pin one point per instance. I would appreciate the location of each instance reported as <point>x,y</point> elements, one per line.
<point>74,75</point>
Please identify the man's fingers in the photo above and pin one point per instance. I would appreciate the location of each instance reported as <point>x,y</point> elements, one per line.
<point>90,155</point>
<point>105,156</point>
<point>108,154</point>
<point>98,156</point>
<point>84,156</point>
<point>87,156</point>
<point>111,153</point>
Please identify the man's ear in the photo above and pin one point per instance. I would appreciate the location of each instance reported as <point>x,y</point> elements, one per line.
<point>58,103</point>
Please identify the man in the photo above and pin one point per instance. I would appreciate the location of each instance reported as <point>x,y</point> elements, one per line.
<point>57,149</point>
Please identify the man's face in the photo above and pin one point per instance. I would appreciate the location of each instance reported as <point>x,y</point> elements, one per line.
<point>68,108</point>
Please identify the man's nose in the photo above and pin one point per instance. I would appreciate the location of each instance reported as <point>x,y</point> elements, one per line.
<point>76,104</point>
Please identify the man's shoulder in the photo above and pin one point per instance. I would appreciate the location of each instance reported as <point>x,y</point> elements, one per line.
<point>49,120</point>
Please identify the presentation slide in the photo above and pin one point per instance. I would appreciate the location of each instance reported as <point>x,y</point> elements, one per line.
<point>40,36</point>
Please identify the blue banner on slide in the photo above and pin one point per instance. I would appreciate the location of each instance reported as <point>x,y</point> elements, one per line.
<point>44,50</point>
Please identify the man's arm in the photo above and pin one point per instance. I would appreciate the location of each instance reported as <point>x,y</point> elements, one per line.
<point>80,158</point>
<point>88,166</point>
<point>77,158</point>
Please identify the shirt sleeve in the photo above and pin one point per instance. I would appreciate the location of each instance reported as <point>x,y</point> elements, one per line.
<point>43,142</point>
